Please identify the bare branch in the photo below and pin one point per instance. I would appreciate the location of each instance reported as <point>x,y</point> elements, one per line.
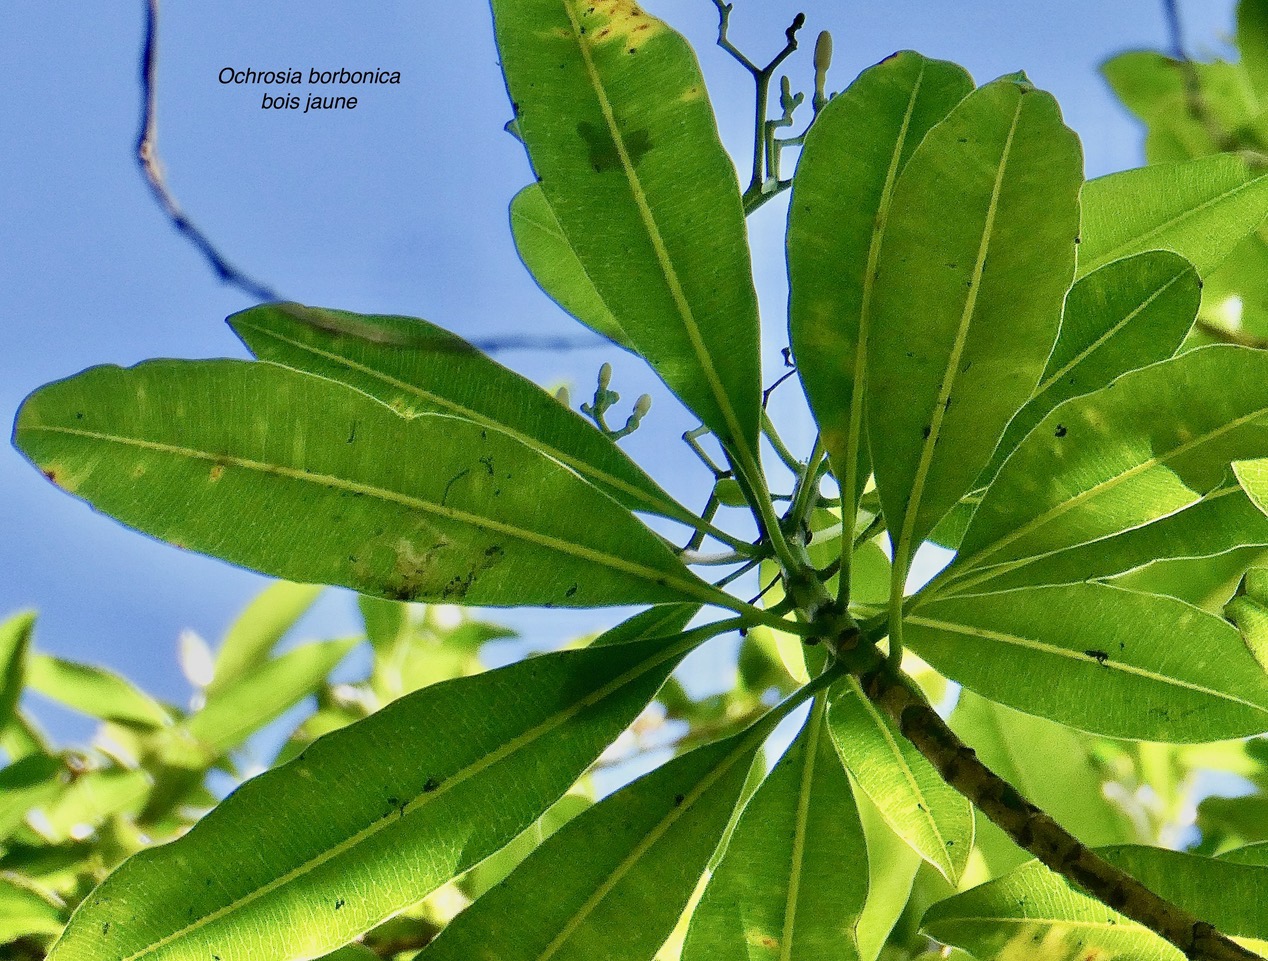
<point>152,170</point>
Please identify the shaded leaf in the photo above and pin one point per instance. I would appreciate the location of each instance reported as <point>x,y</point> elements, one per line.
<point>612,108</point>
<point>431,784</point>
<point>917,804</point>
<point>792,883</point>
<point>415,367</point>
<point>1100,659</point>
<point>25,785</point>
<point>555,266</point>
<point>836,222</point>
<point>986,278</point>
<point>26,909</point>
<point>458,512</point>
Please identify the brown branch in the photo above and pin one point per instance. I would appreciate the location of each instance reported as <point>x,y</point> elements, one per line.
<point>1034,830</point>
<point>1227,336</point>
<point>152,170</point>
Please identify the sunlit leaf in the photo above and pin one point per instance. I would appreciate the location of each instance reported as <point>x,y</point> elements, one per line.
<point>1099,658</point>
<point>348,493</point>
<point>430,785</point>
<point>986,278</point>
<point>94,691</point>
<point>15,641</point>
<point>258,629</point>
<point>836,224</point>
<point>793,881</point>
<point>612,108</point>
<point>917,804</point>
<point>415,367</point>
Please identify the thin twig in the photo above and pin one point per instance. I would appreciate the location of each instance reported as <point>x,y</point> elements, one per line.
<point>1226,336</point>
<point>152,170</point>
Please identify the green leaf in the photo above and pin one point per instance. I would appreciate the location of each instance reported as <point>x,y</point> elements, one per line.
<point>1252,42</point>
<point>237,710</point>
<point>1249,611</point>
<point>645,848</point>
<point>920,807</point>
<point>259,628</point>
<point>26,909</point>
<point>1129,314</point>
<point>836,224</point>
<point>26,785</point>
<point>1224,520</point>
<point>892,868</point>
<point>555,266</point>
<point>15,641</point>
<point>385,622</point>
<point>977,257</point>
<point>430,785</point>
<point>92,798</point>
<point>94,691</point>
<point>793,881</point>
<point>1032,912</point>
<point>1049,764</point>
<point>1146,446</point>
<point>1205,582</point>
<point>1200,209</point>
<point>415,367</point>
<point>612,107</point>
<point>189,452</point>
<point>1099,658</point>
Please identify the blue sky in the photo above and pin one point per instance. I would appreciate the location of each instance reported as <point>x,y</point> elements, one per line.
<point>396,207</point>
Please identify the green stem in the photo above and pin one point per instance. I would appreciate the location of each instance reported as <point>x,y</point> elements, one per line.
<point>777,444</point>
<point>807,488</point>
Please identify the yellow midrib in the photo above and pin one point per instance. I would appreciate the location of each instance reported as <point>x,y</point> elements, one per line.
<point>681,304</point>
<point>697,591</point>
<point>814,728</point>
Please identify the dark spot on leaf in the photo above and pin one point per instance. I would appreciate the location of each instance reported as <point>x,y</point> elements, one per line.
<point>79,415</point>
<point>604,154</point>
<point>678,799</point>
<point>571,591</point>
<point>927,431</point>
<point>1060,431</point>
<point>487,461</point>
<point>430,785</point>
<point>1099,656</point>
<point>105,928</point>
<point>339,903</point>
<point>51,475</point>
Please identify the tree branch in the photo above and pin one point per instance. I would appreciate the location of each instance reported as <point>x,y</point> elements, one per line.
<point>1031,828</point>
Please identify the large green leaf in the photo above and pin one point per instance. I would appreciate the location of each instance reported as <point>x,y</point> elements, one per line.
<point>1200,209</point>
<point>369,819</point>
<point>893,866</point>
<point>1049,764</point>
<point>910,794</point>
<point>1033,913</point>
<point>555,266</point>
<point>94,691</point>
<point>836,223</point>
<point>237,710</point>
<point>612,882</point>
<point>1099,658</point>
<point>1129,314</point>
<point>306,479</point>
<point>415,367</point>
<point>1222,521</point>
<point>1146,446</point>
<point>612,107</point>
<point>259,628</point>
<point>15,641</point>
<point>976,260</point>
<point>793,882</point>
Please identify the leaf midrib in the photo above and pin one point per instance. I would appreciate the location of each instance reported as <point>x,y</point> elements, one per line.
<point>1043,647</point>
<point>950,374</point>
<point>582,467</point>
<point>472,770</point>
<point>814,728</point>
<point>697,591</point>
